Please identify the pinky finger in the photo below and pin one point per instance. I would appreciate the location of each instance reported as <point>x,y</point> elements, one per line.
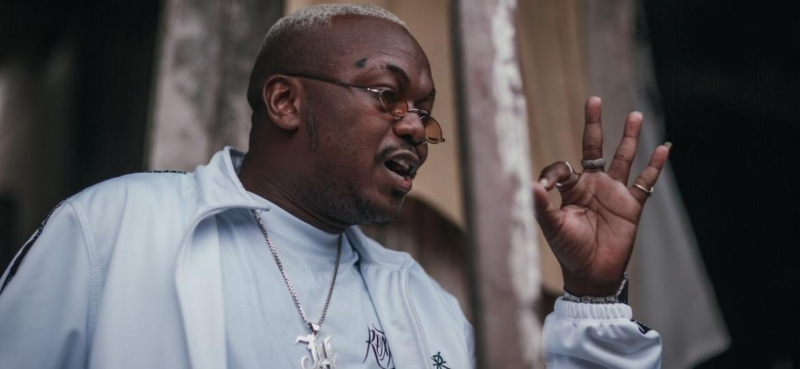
<point>647,179</point>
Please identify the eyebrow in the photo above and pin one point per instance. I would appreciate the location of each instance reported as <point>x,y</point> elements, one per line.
<point>402,73</point>
<point>398,71</point>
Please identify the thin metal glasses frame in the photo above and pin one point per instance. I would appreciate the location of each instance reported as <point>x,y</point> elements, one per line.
<point>379,93</point>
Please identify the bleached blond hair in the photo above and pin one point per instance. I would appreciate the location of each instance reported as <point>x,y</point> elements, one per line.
<point>303,21</point>
<point>308,18</point>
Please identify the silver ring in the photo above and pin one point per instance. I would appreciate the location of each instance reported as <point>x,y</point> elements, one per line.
<point>643,188</point>
<point>571,172</point>
<point>592,164</point>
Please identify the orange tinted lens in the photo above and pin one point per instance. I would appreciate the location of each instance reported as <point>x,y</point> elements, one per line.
<point>394,103</point>
<point>433,131</point>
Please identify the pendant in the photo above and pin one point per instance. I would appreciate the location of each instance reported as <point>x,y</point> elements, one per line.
<point>322,355</point>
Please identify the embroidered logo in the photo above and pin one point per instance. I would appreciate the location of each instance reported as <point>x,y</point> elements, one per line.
<point>438,361</point>
<point>378,347</point>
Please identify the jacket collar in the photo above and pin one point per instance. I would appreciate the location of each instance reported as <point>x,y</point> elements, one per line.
<point>218,184</point>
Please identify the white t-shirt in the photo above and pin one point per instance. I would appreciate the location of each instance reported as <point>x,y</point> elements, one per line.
<point>261,319</point>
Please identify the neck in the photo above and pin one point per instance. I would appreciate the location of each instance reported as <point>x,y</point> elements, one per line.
<point>257,178</point>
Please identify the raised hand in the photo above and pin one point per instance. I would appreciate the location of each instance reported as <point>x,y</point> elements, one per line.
<point>593,231</point>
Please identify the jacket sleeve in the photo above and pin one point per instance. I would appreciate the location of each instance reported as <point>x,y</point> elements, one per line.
<point>44,297</point>
<point>579,335</point>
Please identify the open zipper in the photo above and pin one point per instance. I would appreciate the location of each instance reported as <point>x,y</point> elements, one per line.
<point>425,349</point>
<point>204,214</point>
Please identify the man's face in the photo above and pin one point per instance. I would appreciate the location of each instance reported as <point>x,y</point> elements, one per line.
<point>359,151</point>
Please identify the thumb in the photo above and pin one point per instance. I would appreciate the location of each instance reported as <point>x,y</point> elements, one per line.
<point>547,214</point>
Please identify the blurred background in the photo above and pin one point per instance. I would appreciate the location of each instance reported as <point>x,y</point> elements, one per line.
<point>95,89</point>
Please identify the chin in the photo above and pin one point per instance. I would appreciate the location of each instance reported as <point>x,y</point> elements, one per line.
<point>382,211</point>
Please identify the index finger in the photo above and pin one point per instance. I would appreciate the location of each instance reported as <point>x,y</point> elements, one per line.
<point>593,130</point>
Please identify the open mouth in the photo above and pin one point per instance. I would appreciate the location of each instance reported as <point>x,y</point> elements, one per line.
<point>402,167</point>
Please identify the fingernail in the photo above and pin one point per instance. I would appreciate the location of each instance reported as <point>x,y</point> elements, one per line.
<point>543,182</point>
<point>668,144</point>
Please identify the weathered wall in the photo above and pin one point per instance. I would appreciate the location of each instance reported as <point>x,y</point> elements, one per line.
<point>206,54</point>
<point>553,69</point>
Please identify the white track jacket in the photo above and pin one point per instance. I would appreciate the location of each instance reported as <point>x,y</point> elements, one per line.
<point>126,274</point>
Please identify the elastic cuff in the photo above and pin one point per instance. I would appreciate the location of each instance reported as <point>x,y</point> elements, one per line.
<point>577,310</point>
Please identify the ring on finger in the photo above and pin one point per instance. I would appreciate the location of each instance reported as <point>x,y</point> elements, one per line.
<point>594,164</point>
<point>643,188</point>
<point>571,172</point>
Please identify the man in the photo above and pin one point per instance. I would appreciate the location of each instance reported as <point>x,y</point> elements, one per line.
<point>255,261</point>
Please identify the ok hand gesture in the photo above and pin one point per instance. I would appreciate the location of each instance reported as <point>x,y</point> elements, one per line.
<point>593,230</point>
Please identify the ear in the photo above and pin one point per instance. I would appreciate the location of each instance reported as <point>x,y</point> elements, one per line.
<point>281,97</point>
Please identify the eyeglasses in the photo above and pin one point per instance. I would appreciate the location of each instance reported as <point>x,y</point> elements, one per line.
<point>394,103</point>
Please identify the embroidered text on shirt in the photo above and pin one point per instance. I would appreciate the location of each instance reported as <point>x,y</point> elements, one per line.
<point>377,345</point>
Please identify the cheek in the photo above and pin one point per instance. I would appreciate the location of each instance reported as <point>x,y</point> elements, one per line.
<point>350,150</point>
<point>357,138</point>
<point>349,139</point>
<point>355,155</point>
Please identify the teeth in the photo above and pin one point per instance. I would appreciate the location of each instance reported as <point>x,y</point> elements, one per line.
<point>403,165</point>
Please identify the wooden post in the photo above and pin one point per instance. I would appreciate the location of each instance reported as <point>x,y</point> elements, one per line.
<point>206,52</point>
<point>495,164</point>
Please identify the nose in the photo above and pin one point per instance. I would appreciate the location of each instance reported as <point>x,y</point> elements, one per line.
<point>411,128</point>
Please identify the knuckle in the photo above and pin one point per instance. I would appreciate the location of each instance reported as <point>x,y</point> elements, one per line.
<point>622,157</point>
<point>550,168</point>
<point>591,147</point>
<point>630,138</point>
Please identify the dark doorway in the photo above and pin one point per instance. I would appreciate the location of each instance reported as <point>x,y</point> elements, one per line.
<point>728,73</point>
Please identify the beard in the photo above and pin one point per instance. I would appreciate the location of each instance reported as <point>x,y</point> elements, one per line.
<point>345,203</point>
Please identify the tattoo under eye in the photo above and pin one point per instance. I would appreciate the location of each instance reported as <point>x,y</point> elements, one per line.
<point>312,128</point>
<point>361,63</point>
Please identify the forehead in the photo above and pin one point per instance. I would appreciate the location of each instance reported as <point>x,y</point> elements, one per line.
<point>361,43</point>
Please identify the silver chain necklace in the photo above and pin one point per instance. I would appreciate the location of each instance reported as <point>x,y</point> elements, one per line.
<point>322,356</point>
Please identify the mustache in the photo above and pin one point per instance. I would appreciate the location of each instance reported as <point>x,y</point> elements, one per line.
<point>394,147</point>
